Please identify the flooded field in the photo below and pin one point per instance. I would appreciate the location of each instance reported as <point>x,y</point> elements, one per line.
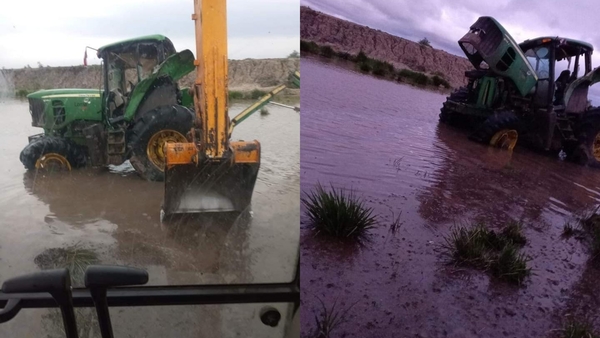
<point>111,216</point>
<point>383,140</point>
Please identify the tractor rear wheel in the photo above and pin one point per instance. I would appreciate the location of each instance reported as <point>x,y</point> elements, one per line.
<point>151,132</point>
<point>52,154</point>
<point>588,150</point>
<point>500,130</point>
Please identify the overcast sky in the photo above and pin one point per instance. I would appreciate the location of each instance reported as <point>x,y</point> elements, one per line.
<point>56,32</point>
<point>444,22</point>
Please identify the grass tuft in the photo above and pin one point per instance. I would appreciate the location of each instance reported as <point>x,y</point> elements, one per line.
<point>513,233</point>
<point>467,246</point>
<point>328,320</point>
<point>576,329</point>
<point>568,230</point>
<point>338,213</point>
<point>484,249</point>
<point>396,223</point>
<point>590,226</point>
<point>74,257</point>
<point>510,265</point>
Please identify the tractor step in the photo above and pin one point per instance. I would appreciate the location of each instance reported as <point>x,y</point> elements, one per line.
<point>564,125</point>
<point>115,144</point>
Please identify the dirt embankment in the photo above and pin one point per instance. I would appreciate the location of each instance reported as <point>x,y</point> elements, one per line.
<point>345,36</point>
<point>244,75</point>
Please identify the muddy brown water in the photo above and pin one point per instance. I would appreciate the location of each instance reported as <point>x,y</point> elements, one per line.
<point>383,140</point>
<point>111,216</point>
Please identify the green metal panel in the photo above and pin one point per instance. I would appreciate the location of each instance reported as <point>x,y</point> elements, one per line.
<point>175,66</point>
<point>487,90</point>
<point>88,108</point>
<point>78,104</point>
<point>187,99</point>
<point>488,41</point>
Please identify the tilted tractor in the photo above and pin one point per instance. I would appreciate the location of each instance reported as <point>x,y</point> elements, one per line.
<point>139,110</point>
<point>535,92</point>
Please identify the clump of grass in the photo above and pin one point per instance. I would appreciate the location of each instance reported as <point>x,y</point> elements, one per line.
<point>328,320</point>
<point>264,111</point>
<point>338,213</point>
<point>577,329</point>
<point>568,230</point>
<point>510,265</point>
<point>468,246</point>
<point>513,233</point>
<point>75,258</point>
<point>589,225</point>
<point>484,249</point>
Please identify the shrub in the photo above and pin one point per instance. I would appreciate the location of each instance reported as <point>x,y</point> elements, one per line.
<point>361,57</point>
<point>365,67</point>
<point>257,94</point>
<point>425,42</point>
<point>440,81</point>
<point>327,51</point>
<point>309,46</point>
<point>235,95</point>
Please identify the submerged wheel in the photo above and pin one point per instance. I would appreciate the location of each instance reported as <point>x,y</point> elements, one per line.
<point>149,135</point>
<point>52,154</point>
<point>499,130</point>
<point>588,150</point>
<point>446,116</point>
<point>505,139</point>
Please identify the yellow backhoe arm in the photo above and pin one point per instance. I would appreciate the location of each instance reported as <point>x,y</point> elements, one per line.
<point>210,88</point>
<point>210,174</point>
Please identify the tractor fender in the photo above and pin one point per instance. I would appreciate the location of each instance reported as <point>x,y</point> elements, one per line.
<point>159,84</point>
<point>576,94</point>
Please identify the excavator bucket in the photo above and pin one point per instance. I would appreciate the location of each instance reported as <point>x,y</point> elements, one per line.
<point>210,186</point>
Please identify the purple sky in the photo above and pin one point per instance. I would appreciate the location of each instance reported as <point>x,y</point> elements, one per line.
<point>444,22</point>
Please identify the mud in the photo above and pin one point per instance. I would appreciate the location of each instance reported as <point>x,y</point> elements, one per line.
<point>383,140</point>
<point>111,216</point>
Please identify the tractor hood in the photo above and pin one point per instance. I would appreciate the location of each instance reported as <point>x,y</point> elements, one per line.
<point>57,108</point>
<point>487,42</point>
<point>64,93</point>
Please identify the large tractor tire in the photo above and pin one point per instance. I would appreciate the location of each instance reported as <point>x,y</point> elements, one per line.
<point>587,152</point>
<point>459,95</point>
<point>52,153</point>
<point>150,133</point>
<point>500,130</point>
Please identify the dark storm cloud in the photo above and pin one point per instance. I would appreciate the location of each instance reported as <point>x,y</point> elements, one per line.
<point>444,22</point>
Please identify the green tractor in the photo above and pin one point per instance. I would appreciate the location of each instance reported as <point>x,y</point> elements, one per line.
<point>535,92</point>
<point>139,109</point>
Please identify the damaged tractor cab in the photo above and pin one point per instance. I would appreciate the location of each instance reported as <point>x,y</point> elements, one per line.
<point>139,109</point>
<point>535,92</point>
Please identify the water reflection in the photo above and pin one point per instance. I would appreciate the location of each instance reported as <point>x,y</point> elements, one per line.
<point>202,249</point>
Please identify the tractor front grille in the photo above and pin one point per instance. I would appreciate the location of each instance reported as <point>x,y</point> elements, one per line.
<point>36,109</point>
